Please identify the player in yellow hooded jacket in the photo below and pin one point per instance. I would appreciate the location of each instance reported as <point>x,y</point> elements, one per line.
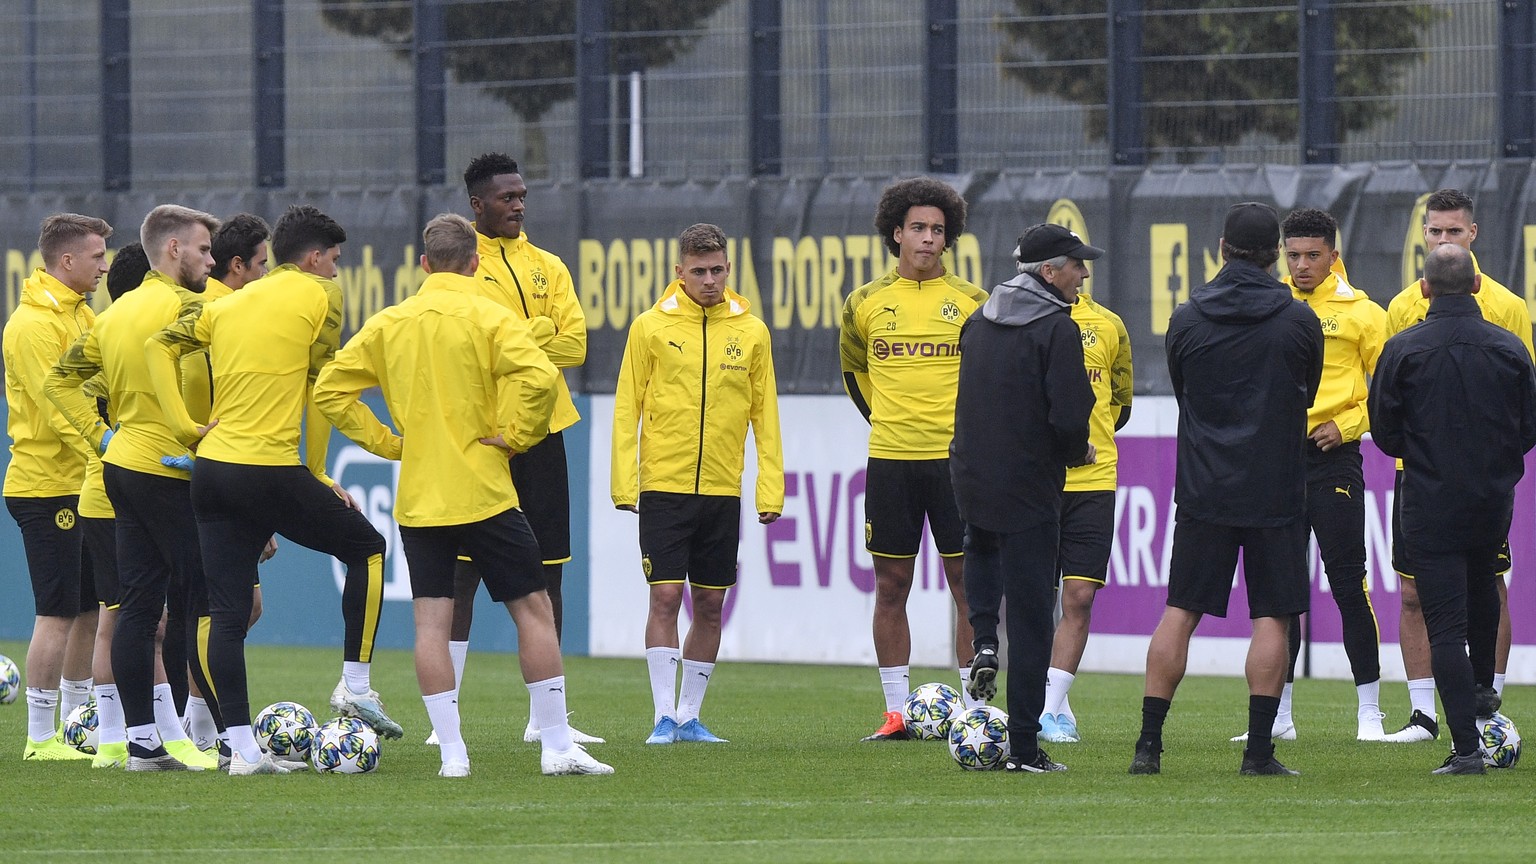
<point>1448,218</point>
<point>491,392</point>
<point>697,369</point>
<point>48,462</point>
<point>1354,331</point>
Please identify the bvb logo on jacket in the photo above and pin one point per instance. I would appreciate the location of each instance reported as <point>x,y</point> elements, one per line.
<point>540,284</point>
<point>733,355</point>
<point>949,311</point>
<point>1090,337</point>
<point>1330,326</point>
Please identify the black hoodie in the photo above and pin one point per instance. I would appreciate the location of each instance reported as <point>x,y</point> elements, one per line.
<point>1022,407</point>
<point>1245,359</point>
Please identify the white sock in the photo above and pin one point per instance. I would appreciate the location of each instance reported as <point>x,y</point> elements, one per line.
<point>1066,708</point>
<point>443,711</point>
<point>896,681</point>
<point>73,694</point>
<point>549,710</point>
<point>148,737</point>
<point>199,720</point>
<point>1057,683</point>
<point>695,682</point>
<point>41,707</point>
<point>965,694</point>
<point>1498,683</point>
<point>109,715</point>
<point>166,720</point>
<point>662,663</point>
<point>458,652</point>
<point>356,676</point>
<point>1370,698</point>
<point>242,740</point>
<point>1421,695</point>
<point>1283,714</point>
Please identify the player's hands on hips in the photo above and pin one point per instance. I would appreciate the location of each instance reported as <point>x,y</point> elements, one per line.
<point>500,443</point>
<point>1090,457</point>
<point>346,498</point>
<point>1327,436</point>
<point>767,517</point>
<point>268,550</point>
<point>183,462</point>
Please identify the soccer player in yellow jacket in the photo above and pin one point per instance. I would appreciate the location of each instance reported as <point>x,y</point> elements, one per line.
<point>535,286</point>
<point>1448,218</point>
<point>491,394</point>
<point>159,564</point>
<point>48,460</point>
<point>900,351</point>
<point>697,369</point>
<point>1088,506</point>
<point>1354,331</point>
<point>267,342</point>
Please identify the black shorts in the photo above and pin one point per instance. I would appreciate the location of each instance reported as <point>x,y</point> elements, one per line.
<point>1402,551</point>
<point>51,536</point>
<point>544,494</point>
<point>1087,530</point>
<point>1274,566</point>
<point>898,494</point>
<point>691,538</point>
<point>99,538</point>
<point>503,547</point>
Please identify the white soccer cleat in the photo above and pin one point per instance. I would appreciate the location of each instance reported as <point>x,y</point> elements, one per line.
<point>1420,727</point>
<point>573,761</point>
<point>238,767</point>
<point>1370,726</point>
<point>532,735</point>
<point>1278,732</point>
<point>454,769</point>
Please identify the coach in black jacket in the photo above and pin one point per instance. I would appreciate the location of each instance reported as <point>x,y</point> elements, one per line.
<point>1455,399</point>
<point>1021,418</point>
<point>1245,360</point>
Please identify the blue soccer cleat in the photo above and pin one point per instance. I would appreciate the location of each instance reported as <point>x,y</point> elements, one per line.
<point>693,730</point>
<point>1048,729</point>
<point>664,733</point>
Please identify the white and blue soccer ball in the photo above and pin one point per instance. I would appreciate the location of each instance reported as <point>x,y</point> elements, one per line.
<point>10,680</point>
<point>80,727</point>
<point>978,738</point>
<point>286,730</point>
<point>928,710</point>
<point>345,745</point>
<point>1500,741</point>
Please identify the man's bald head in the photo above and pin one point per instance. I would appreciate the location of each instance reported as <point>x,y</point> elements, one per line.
<point>1448,269</point>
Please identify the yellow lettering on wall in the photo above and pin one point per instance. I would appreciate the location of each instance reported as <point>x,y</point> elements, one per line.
<point>589,281</point>
<point>408,276</point>
<point>1413,242</point>
<point>1170,257</point>
<point>642,276</point>
<point>616,285</point>
<point>783,282</point>
<point>1529,268</point>
<point>833,265</point>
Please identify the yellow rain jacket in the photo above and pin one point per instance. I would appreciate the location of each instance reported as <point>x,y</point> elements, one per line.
<point>1354,331</point>
<point>48,457</point>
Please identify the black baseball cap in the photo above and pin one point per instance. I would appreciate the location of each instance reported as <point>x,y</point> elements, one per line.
<point>1251,225</point>
<point>1046,241</point>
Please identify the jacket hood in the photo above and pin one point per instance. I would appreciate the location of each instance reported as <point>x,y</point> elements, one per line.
<point>1242,293</point>
<point>46,292</point>
<point>1020,300</point>
<point>674,301</point>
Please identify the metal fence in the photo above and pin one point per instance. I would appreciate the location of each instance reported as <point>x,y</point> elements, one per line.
<point>172,94</point>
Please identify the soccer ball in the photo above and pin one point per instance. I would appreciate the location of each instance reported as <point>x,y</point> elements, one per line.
<point>978,738</point>
<point>345,745</point>
<point>10,680</point>
<point>928,710</point>
<point>286,730</point>
<point>80,727</point>
<point>1500,741</point>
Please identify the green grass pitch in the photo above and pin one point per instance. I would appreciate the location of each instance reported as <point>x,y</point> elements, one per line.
<point>794,784</point>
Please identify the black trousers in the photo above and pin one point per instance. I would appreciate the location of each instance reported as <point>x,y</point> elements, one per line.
<point>1021,568</point>
<point>159,569</point>
<point>1336,516</point>
<point>238,508</point>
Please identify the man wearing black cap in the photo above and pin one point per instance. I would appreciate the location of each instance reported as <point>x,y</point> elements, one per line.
<point>1021,419</point>
<point>1245,361</point>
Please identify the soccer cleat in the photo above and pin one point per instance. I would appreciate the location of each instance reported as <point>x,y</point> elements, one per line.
<point>664,733</point>
<point>1268,766</point>
<point>111,755</point>
<point>1488,702</point>
<point>1066,730</point>
<point>1472,763</point>
<point>1147,761</point>
<point>983,683</point>
<point>693,730</point>
<point>163,762</point>
<point>238,767</point>
<point>1279,732</point>
<point>52,750</point>
<point>893,729</point>
<point>187,753</point>
<point>1420,727</point>
<point>532,735</point>
<point>454,769</point>
<point>573,761</point>
<point>1041,764</point>
<point>1369,728</point>
<point>367,707</point>
<point>432,739</point>
<point>1048,729</point>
